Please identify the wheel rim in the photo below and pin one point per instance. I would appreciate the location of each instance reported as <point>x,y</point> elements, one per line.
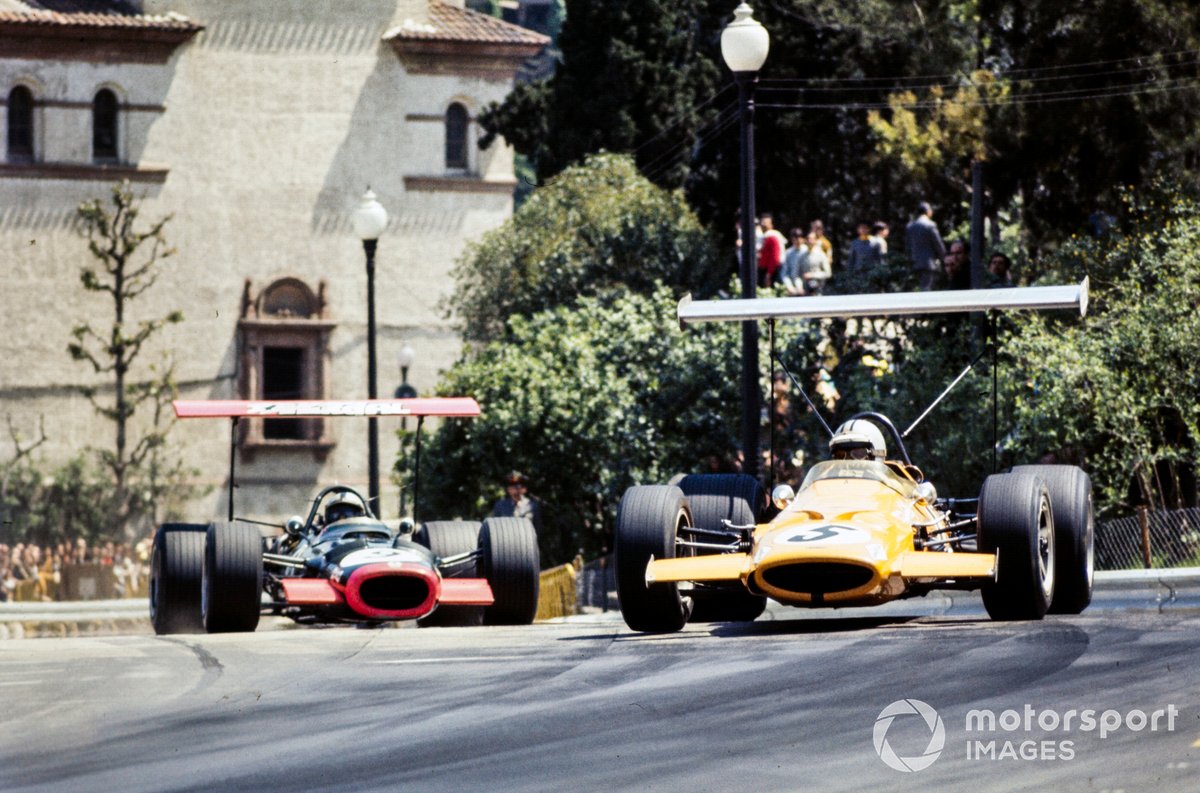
<point>1089,553</point>
<point>1045,549</point>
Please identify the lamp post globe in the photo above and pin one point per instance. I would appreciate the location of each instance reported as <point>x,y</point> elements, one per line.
<point>405,358</point>
<point>744,41</point>
<point>370,219</point>
<point>744,47</point>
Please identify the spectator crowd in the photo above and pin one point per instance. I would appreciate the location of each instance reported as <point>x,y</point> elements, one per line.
<point>31,572</point>
<point>802,263</point>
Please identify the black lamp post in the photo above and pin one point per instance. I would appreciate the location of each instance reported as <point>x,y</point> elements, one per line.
<point>370,219</point>
<point>744,46</point>
<point>405,358</point>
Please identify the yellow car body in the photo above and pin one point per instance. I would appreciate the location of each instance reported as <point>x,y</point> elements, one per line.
<point>858,533</point>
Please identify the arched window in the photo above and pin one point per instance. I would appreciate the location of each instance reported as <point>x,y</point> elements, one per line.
<point>284,340</point>
<point>457,120</point>
<point>20,124</point>
<point>104,126</point>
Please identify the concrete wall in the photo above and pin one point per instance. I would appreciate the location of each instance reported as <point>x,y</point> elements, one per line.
<point>271,123</point>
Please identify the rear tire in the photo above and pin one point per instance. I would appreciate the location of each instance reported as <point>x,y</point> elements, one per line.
<point>713,498</point>
<point>1016,520</point>
<point>447,538</point>
<point>231,589</point>
<point>1074,534</point>
<point>176,565</point>
<point>511,566</point>
<point>648,521</point>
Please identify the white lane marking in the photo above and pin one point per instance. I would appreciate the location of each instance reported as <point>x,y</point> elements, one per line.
<point>456,659</point>
<point>7,683</point>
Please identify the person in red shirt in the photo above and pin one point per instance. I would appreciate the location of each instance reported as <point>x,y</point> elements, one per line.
<point>770,255</point>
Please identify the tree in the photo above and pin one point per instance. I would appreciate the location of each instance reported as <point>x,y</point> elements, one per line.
<point>1098,95</point>
<point>598,226</point>
<point>1119,392</point>
<point>586,399</point>
<point>629,72</point>
<point>127,262</point>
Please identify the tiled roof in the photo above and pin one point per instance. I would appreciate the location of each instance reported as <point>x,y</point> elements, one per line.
<point>109,14</point>
<point>449,23</point>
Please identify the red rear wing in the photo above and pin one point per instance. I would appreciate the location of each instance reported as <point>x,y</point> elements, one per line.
<point>454,407</point>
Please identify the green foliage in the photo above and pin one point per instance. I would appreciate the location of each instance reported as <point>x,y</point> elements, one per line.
<point>609,93</point>
<point>1056,134</point>
<point>46,504</point>
<point>1119,392</point>
<point>586,400</point>
<point>598,226</point>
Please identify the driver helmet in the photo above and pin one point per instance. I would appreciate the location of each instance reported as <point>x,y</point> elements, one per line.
<point>858,439</point>
<point>342,507</point>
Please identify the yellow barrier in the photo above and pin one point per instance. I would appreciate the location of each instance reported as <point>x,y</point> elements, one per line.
<point>556,596</point>
<point>89,581</point>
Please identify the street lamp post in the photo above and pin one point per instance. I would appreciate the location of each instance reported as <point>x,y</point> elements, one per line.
<point>744,47</point>
<point>370,219</point>
<point>405,358</point>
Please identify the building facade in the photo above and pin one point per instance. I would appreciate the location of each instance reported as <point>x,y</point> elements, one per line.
<point>257,126</point>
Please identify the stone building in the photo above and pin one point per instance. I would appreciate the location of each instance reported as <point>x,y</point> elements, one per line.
<point>257,125</point>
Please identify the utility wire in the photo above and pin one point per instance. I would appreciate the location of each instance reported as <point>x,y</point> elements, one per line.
<point>1048,97</point>
<point>771,85</point>
<point>703,138</point>
<point>1029,73</point>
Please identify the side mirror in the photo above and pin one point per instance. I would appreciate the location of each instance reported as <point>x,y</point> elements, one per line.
<point>925,492</point>
<point>782,495</point>
<point>406,526</point>
<point>294,526</point>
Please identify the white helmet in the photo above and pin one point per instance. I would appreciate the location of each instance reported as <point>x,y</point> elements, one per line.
<point>858,434</point>
<point>343,506</point>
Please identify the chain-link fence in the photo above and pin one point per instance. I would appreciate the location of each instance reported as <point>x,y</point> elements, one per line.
<point>1161,538</point>
<point>596,585</point>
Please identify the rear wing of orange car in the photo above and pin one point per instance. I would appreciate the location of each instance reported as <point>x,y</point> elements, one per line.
<point>1038,298</point>
<point>237,409</point>
<point>884,305</point>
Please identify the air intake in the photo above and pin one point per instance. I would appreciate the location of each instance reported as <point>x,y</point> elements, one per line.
<point>394,592</point>
<point>817,577</point>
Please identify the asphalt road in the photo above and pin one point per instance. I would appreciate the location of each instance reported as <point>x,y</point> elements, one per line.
<point>788,703</point>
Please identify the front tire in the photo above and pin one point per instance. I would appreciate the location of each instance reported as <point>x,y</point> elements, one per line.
<point>176,566</point>
<point>1074,534</point>
<point>712,498</point>
<point>447,538</point>
<point>511,566</point>
<point>648,521</point>
<point>231,589</point>
<point>1016,521</point>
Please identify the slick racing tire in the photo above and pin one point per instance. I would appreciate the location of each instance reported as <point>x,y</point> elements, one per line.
<point>231,588</point>
<point>449,538</point>
<point>713,498</point>
<point>1016,520</point>
<point>511,566</point>
<point>176,565</point>
<point>648,520</point>
<point>1074,534</point>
